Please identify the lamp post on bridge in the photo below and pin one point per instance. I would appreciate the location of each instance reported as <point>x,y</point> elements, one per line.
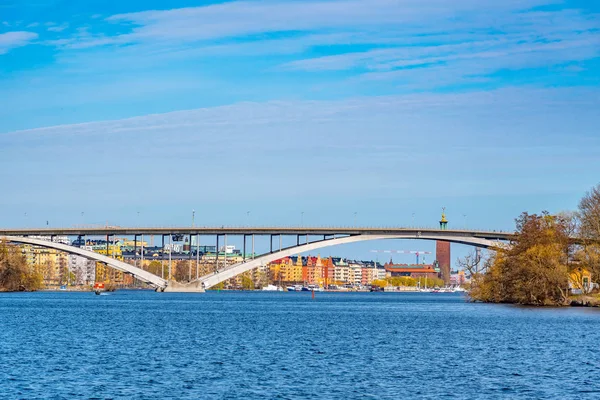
<point>301,218</point>
<point>355,212</point>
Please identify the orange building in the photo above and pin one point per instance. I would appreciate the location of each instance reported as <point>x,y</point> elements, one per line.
<point>411,270</point>
<point>327,269</point>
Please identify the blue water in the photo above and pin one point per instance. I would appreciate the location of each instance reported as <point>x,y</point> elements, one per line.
<point>231,345</point>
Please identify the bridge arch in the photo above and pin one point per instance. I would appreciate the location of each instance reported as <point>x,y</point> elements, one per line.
<point>137,273</point>
<point>210,280</point>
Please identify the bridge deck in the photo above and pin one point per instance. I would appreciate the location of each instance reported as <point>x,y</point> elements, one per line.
<point>118,230</point>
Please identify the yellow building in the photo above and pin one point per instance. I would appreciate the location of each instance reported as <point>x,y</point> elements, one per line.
<point>107,274</point>
<point>113,251</point>
<point>290,271</point>
<point>132,243</point>
<point>52,264</point>
<point>580,278</point>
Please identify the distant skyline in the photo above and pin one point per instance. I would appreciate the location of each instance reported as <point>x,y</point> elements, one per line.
<point>129,113</point>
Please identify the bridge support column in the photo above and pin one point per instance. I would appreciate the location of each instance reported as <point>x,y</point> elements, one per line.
<point>244,250</point>
<point>135,250</point>
<point>225,252</point>
<point>142,252</point>
<point>162,257</point>
<point>197,254</point>
<point>217,255</point>
<point>170,251</point>
<point>190,258</point>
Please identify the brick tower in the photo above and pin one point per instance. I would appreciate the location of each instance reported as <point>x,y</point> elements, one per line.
<point>442,251</point>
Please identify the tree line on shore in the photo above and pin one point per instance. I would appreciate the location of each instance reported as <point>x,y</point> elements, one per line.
<point>544,258</point>
<point>15,274</point>
<point>408,281</point>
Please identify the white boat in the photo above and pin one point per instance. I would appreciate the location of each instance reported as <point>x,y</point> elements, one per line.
<point>272,288</point>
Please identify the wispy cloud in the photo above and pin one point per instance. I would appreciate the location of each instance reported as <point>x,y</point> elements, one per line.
<point>58,28</point>
<point>243,18</point>
<point>403,40</point>
<point>11,40</point>
<point>368,143</point>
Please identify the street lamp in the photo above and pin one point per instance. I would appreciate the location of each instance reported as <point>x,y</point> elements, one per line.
<point>248,217</point>
<point>465,217</point>
<point>302,218</point>
<point>355,218</point>
<point>193,216</point>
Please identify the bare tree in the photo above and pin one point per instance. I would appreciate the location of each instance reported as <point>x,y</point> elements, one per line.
<point>473,263</point>
<point>589,214</point>
<point>589,231</point>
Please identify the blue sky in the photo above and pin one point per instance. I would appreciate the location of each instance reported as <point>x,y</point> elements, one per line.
<point>387,108</point>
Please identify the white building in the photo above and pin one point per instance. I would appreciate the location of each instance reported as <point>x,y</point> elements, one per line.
<point>54,239</point>
<point>229,249</point>
<point>83,269</point>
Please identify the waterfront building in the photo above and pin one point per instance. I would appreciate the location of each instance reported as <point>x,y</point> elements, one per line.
<point>52,264</point>
<point>580,279</point>
<point>312,270</point>
<point>292,271</point>
<point>411,270</point>
<point>458,278</point>
<point>327,271</point>
<point>83,270</point>
<point>341,273</point>
<point>355,276</point>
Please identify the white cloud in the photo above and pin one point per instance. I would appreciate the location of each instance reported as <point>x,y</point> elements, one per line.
<point>492,142</point>
<point>11,40</point>
<point>58,28</point>
<point>240,18</point>
<point>402,40</point>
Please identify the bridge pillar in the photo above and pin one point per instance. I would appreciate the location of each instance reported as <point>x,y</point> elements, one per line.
<point>197,254</point>
<point>178,287</point>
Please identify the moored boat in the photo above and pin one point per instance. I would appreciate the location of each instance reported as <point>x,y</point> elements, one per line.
<point>272,288</point>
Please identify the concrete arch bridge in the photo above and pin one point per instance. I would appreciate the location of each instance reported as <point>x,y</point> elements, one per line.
<point>307,239</point>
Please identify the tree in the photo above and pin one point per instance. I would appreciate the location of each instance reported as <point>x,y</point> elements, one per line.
<point>247,283</point>
<point>15,274</point>
<point>181,271</point>
<point>534,269</point>
<point>470,263</point>
<point>402,281</point>
<point>589,214</point>
<point>430,282</point>
<point>155,267</point>
<point>380,283</point>
<point>589,231</point>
